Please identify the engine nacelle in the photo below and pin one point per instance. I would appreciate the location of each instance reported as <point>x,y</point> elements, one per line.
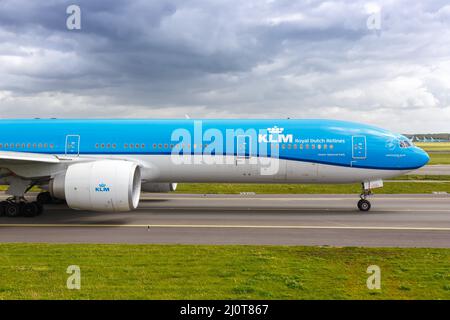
<point>158,187</point>
<point>106,185</point>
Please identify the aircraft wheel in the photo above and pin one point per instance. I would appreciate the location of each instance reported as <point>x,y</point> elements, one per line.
<point>44,198</point>
<point>30,209</point>
<point>12,210</point>
<point>40,208</point>
<point>364,205</point>
<point>3,207</point>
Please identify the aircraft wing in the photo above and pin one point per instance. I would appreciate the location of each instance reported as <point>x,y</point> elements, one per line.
<point>12,158</point>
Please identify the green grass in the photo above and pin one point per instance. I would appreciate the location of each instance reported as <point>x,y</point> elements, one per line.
<point>439,158</point>
<point>434,146</point>
<point>422,177</point>
<point>38,271</point>
<point>389,188</point>
<point>439,151</point>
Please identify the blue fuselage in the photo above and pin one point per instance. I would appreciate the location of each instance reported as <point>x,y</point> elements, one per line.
<point>329,142</point>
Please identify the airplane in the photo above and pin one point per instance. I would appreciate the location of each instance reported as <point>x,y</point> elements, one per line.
<point>104,164</point>
<point>425,139</point>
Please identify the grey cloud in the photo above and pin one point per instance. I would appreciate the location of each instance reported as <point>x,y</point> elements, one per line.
<point>227,58</point>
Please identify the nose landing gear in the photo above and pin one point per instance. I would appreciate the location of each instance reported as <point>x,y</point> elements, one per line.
<point>364,204</point>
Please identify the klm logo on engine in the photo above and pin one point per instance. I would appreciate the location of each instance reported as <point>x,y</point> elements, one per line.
<point>102,187</point>
<point>275,135</point>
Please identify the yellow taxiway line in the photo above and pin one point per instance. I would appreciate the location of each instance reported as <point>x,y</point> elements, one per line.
<point>219,226</point>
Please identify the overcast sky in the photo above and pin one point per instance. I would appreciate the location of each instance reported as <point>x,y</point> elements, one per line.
<point>385,63</point>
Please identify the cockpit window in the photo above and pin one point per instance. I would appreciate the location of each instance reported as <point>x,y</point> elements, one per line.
<point>405,144</point>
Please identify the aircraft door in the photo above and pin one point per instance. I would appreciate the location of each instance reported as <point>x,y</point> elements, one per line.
<point>243,146</point>
<point>359,147</point>
<point>246,160</point>
<point>72,145</point>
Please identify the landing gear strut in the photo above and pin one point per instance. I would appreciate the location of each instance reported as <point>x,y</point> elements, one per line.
<point>364,204</point>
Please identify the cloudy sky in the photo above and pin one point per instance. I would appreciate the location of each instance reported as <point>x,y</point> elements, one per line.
<point>385,63</point>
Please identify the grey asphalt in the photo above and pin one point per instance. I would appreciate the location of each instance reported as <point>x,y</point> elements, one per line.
<point>437,169</point>
<point>394,221</point>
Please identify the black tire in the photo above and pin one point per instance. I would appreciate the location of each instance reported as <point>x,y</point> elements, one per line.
<point>364,205</point>
<point>40,208</point>
<point>12,210</point>
<point>44,198</point>
<point>3,207</point>
<point>30,209</point>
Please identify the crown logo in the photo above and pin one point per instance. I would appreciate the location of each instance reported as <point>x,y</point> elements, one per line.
<point>102,185</point>
<point>275,130</point>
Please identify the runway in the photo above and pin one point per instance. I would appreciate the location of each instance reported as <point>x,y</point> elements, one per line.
<point>333,220</point>
<point>436,170</point>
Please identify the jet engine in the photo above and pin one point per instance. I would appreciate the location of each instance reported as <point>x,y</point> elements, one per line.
<point>105,185</point>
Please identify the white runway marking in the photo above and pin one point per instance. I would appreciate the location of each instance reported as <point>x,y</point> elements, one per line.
<point>220,226</point>
<point>297,199</point>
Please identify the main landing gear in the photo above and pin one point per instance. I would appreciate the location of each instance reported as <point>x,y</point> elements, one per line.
<point>19,206</point>
<point>364,204</point>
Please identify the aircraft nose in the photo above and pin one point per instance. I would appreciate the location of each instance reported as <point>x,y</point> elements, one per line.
<point>421,158</point>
